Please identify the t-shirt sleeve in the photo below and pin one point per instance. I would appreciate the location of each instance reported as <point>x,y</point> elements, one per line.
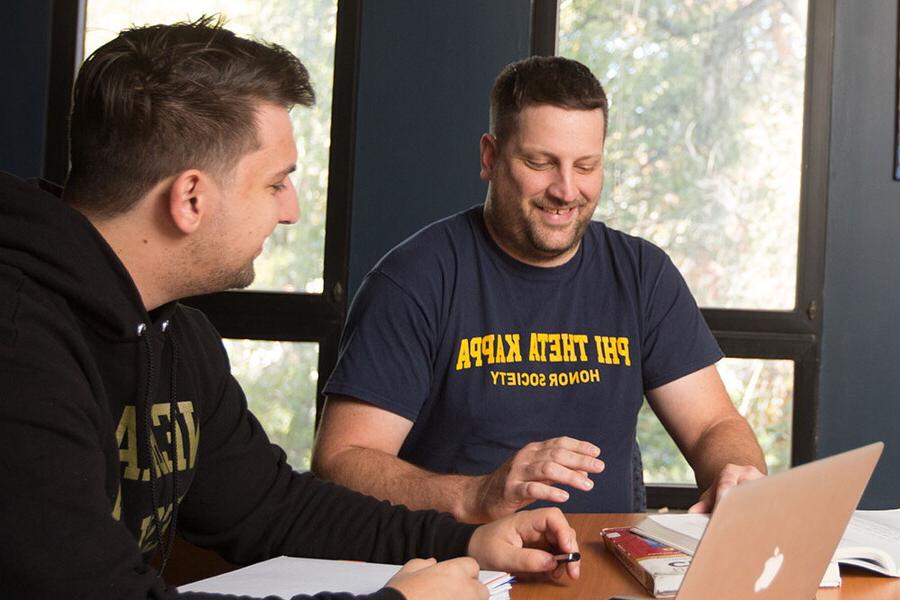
<point>387,348</point>
<point>676,339</point>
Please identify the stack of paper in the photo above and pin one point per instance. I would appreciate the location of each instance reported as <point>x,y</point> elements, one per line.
<point>286,577</point>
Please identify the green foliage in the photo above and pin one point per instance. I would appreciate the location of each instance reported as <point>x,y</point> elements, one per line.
<point>703,148</point>
<point>761,390</point>
<point>279,380</point>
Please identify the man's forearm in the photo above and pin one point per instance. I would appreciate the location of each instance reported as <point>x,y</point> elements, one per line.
<point>728,441</point>
<point>388,477</point>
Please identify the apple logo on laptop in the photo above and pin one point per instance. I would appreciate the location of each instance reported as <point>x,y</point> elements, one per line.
<point>770,570</point>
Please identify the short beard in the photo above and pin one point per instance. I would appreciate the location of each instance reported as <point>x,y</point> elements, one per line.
<point>522,240</point>
<point>209,275</point>
<point>240,279</point>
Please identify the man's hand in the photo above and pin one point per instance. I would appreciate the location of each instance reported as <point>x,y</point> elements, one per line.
<point>525,542</point>
<point>530,474</point>
<point>427,579</point>
<point>729,477</point>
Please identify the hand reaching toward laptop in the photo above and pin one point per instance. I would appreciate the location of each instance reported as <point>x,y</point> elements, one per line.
<point>729,476</point>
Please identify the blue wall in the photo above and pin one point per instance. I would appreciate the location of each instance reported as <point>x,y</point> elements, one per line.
<point>860,378</point>
<point>24,65</point>
<point>425,75</point>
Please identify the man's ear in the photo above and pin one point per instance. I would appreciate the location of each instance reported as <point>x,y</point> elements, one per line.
<point>190,199</point>
<point>488,153</point>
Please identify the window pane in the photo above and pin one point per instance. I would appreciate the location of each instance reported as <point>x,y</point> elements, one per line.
<point>294,257</point>
<point>762,391</point>
<point>703,153</point>
<point>279,379</point>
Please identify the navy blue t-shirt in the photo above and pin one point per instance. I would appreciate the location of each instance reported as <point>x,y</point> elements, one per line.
<point>486,354</point>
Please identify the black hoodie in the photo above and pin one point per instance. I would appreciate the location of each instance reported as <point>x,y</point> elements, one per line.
<point>107,413</point>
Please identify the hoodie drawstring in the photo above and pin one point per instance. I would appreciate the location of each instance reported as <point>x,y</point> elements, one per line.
<point>173,451</point>
<point>165,546</point>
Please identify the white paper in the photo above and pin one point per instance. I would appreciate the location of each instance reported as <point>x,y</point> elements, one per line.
<point>286,577</point>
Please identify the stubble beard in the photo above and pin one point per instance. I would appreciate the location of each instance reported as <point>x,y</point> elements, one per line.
<point>541,239</point>
<point>529,240</point>
<point>242,278</point>
<point>210,275</point>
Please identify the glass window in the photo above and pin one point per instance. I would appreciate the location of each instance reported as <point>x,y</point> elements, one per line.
<point>294,258</point>
<point>279,379</point>
<point>762,390</point>
<point>703,153</point>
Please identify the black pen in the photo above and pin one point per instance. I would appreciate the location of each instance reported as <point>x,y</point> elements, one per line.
<point>567,557</point>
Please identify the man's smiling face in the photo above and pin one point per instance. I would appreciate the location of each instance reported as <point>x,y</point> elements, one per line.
<point>545,182</point>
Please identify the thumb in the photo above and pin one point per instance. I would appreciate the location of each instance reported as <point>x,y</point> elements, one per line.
<point>705,503</point>
<point>529,560</point>
<point>699,507</point>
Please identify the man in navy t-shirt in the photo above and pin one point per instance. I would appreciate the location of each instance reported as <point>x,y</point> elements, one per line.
<point>499,357</point>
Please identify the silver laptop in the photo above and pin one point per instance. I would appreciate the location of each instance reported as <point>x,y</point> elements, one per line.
<point>773,538</point>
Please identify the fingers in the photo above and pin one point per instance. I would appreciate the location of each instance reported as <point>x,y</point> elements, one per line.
<point>703,505</point>
<point>729,477</point>
<point>557,470</point>
<point>417,564</point>
<point>455,579</point>
<point>526,542</point>
<point>563,460</point>
<point>532,474</point>
<point>464,566</point>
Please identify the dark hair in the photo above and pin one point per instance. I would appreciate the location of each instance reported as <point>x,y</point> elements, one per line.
<point>161,99</point>
<point>543,80</point>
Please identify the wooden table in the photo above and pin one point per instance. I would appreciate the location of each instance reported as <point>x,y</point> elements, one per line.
<point>602,575</point>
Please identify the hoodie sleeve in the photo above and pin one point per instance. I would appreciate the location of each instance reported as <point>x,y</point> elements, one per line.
<point>58,445</point>
<point>247,503</point>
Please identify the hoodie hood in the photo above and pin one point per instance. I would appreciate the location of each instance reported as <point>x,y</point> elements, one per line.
<point>72,261</point>
<point>70,258</point>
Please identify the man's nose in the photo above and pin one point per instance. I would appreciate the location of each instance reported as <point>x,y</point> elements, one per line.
<point>289,211</point>
<point>563,186</point>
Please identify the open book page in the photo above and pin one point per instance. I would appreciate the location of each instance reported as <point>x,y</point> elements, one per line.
<point>872,541</point>
<point>681,531</point>
<point>286,577</point>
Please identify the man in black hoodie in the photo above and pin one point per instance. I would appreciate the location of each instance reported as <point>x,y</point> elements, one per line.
<point>119,418</point>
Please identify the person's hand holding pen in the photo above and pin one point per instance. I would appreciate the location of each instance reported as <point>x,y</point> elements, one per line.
<point>532,474</point>
<point>533,541</point>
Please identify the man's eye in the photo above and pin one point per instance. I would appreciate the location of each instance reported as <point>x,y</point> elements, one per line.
<point>585,168</point>
<point>279,186</point>
<point>537,164</point>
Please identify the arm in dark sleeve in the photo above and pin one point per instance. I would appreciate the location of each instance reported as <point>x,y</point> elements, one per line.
<point>247,503</point>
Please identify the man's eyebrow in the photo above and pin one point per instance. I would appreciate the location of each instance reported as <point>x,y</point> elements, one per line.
<point>537,152</point>
<point>285,171</point>
<point>542,151</point>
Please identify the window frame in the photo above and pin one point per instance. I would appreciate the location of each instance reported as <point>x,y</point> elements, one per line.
<point>253,315</point>
<point>770,334</point>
